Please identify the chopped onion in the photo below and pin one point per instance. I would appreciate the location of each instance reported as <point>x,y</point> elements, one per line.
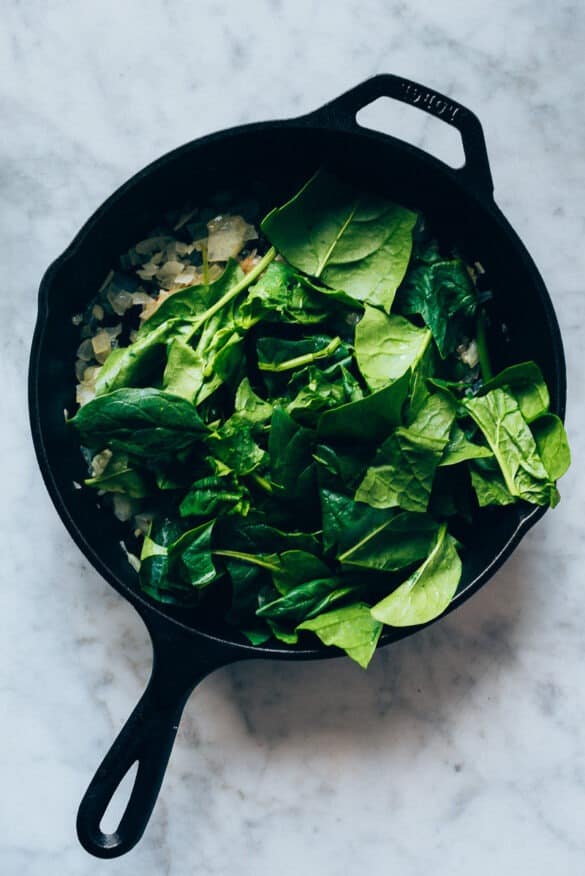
<point>77,319</point>
<point>102,345</point>
<point>151,244</point>
<point>469,354</point>
<point>142,522</point>
<point>91,373</point>
<point>99,463</point>
<point>84,393</point>
<point>98,311</point>
<point>227,235</point>
<point>120,301</point>
<point>141,297</point>
<point>132,558</point>
<point>85,350</point>
<point>122,507</point>
<point>80,366</point>
<point>188,276</point>
<point>148,270</point>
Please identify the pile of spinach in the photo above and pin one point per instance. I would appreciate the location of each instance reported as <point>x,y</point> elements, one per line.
<point>306,433</point>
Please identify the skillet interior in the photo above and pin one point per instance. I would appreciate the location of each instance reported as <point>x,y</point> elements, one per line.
<point>281,156</point>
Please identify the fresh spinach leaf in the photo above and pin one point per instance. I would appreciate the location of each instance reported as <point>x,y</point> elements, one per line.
<point>442,292</point>
<point>250,405</point>
<point>319,392</point>
<point>508,434</point>
<point>526,383</point>
<point>353,241</point>
<point>403,539</point>
<point>459,448</point>
<point>386,347</point>
<point>120,476</point>
<point>352,628</point>
<point>190,557</point>
<point>304,601</point>
<point>428,591</point>
<point>405,464</point>
<point>234,444</point>
<point>290,448</point>
<point>212,496</point>
<point>145,423</point>
<point>192,302</point>
<point>370,418</point>
<point>488,483</point>
<point>283,295</point>
<point>552,444</point>
<point>132,365</point>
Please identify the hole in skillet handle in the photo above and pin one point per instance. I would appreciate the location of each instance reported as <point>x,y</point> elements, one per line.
<point>341,113</point>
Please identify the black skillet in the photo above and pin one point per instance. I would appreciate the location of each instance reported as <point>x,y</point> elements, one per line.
<point>276,156</point>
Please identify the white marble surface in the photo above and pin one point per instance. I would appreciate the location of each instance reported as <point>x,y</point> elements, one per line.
<point>460,751</point>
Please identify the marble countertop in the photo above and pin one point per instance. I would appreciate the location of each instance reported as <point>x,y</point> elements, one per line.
<point>460,750</point>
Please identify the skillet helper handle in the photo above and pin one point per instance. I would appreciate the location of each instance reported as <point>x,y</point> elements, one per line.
<point>146,738</point>
<point>342,111</point>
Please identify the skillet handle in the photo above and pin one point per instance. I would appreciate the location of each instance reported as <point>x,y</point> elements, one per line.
<point>341,113</point>
<point>146,738</point>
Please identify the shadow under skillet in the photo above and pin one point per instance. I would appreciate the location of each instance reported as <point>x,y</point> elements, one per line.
<point>423,680</point>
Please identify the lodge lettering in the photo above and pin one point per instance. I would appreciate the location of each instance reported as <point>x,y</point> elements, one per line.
<point>431,102</point>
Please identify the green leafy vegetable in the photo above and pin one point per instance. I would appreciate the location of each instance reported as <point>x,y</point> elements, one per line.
<point>552,444</point>
<point>353,241</point>
<point>387,346</point>
<point>526,383</point>
<point>442,292</point>
<point>308,432</point>
<point>499,417</point>
<point>352,628</point>
<point>140,422</point>
<point>428,591</point>
<point>405,464</point>
<point>367,419</point>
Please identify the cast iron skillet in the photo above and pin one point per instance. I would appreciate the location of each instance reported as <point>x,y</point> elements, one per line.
<point>278,156</point>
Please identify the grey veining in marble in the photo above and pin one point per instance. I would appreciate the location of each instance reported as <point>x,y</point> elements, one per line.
<point>459,751</point>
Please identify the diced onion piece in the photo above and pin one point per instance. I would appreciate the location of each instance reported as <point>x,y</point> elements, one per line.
<point>102,345</point>
<point>142,522</point>
<point>80,367</point>
<point>227,236</point>
<point>85,350</point>
<point>98,312</point>
<point>150,244</point>
<point>84,393</point>
<point>120,301</point>
<point>183,249</point>
<point>188,276</point>
<point>114,331</point>
<point>132,558</point>
<point>469,354</point>
<point>123,508</point>
<point>77,318</point>
<point>168,271</point>
<point>91,374</point>
<point>148,270</point>
<point>99,463</point>
<point>141,297</point>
